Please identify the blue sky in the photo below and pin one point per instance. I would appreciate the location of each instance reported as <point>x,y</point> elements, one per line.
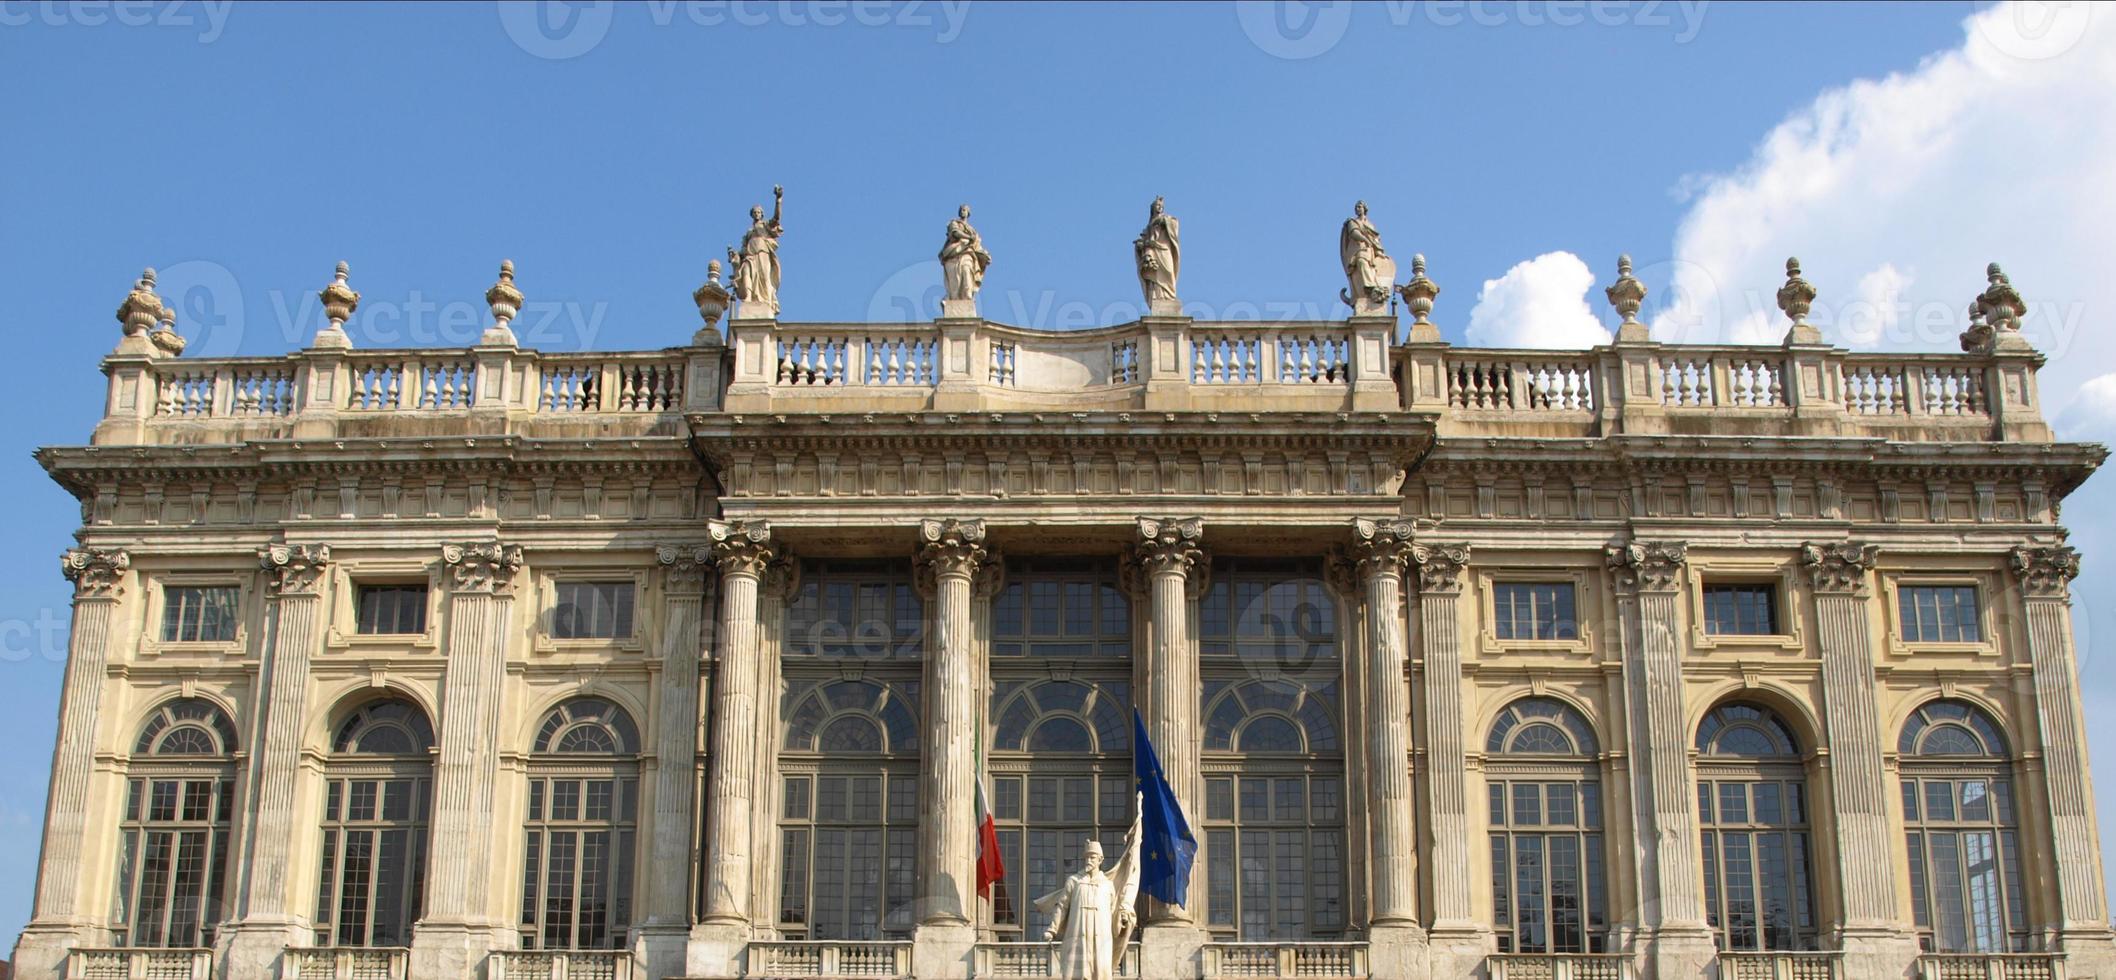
<point>611,152</point>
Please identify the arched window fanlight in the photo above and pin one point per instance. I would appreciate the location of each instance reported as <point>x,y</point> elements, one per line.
<point>1541,726</point>
<point>1951,728</point>
<point>1271,716</point>
<point>187,726</point>
<point>588,726</point>
<point>855,717</point>
<point>392,726</point>
<point>1064,716</point>
<point>1746,731</point>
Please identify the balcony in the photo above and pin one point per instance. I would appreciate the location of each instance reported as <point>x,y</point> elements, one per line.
<point>569,964</point>
<point>1561,966</point>
<point>1991,966</point>
<point>1035,960</point>
<point>346,963</point>
<point>1825,965</point>
<point>84,963</point>
<point>1312,959</point>
<point>829,960</point>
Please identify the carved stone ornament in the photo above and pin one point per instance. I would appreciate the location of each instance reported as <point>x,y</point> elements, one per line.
<point>1797,296</point>
<point>1168,545</point>
<point>2000,303</point>
<point>950,547</point>
<point>683,567</point>
<point>488,567</point>
<point>96,573</point>
<point>1627,294</point>
<point>1381,547</point>
<point>2046,571</point>
<point>295,569</point>
<point>1839,568</point>
<point>742,547</point>
<point>1440,567</point>
<point>142,307</point>
<point>1648,566</point>
<point>1419,293</point>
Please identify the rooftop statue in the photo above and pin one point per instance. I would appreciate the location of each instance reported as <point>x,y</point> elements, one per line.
<point>1160,256</point>
<point>1367,267</point>
<point>754,271</point>
<point>963,261</point>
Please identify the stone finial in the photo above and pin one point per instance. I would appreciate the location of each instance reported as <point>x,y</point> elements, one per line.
<point>1978,337</point>
<point>1418,294</point>
<point>165,338</point>
<point>506,301</point>
<point>142,307</point>
<point>339,302</point>
<point>712,299</point>
<point>1795,298</point>
<point>2000,303</point>
<point>1627,294</point>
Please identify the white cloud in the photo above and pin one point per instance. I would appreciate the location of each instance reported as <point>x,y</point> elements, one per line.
<point>2091,414</point>
<point>1538,303</point>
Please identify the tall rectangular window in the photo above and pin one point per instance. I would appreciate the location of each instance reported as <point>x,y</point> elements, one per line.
<point>386,609</point>
<point>199,614</point>
<point>1741,610</point>
<point>1534,611</point>
<point>173,859</point>
<point>1549,887</point>
<point>592,611</point>
<point>1939,614</point>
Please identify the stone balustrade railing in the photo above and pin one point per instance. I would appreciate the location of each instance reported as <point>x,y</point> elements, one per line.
<point>346,963</point>
<point>1159,364</point>
<point>90,963</point>
<point>1562,966</point>
<point>1991,966</point>
<point>829,959</point>
<point>569,964</point>
<point>1821,965</point>
<point>1036,960</point>
<point>1223,961</point>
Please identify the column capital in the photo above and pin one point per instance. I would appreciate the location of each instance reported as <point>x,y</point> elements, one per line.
<point>96,573</point>
<point>742,547</point>
<point>683,568</point>
<point>1168,545</point>
<point>1648,566</point>
<point>1382,547</point>
<point>294,569</point>
<point>950,548</point>
<point>2046,571</point>
<point>1839,568</point>
<point>1440,567</point>
<point>485,568</point>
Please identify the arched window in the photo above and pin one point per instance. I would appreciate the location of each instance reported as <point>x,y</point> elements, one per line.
<point>377,800</point>
<point>1963,841</point>
<point>1753,805</point>
<point>1061,759</point>
<point>179,806</point>
<point>848,828</point>
<point>1548,866</point>
<point>1274,807</point>
<point>577,858</point>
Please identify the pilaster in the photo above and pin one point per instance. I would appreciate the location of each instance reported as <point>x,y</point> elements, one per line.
<point>743,551</point>
<point>1457,936</point>
<point>664,921</point>
<point>950,552</point>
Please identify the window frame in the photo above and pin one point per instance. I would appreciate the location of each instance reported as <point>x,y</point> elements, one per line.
<point>545,770</point>
<point>143,769</point>
<point>896,769</point>
<point>1995,767</point>
<point>348,579</point>
<point>1710,773</point>
<point>547,639</point>
<point>1988,598</point>
<point>1779,576</point>
<point>335,828</point>
<point>1584,610</point>
<point>361,589</point>
<point>157,609</point>
<point>1105,770</point>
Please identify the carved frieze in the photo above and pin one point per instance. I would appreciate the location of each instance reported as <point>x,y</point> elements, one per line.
<point>1839,568</point>
<point>96,573</point>
<point>295,569</point>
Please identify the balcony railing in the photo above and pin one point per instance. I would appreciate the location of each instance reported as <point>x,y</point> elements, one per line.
<point>1035,960</point>
<point>829,960</point>
<point>1824,965</point>
<point>1285,960</point>
<point>1991,966</point>
<point>85,963</point>
<point>346,963</point>
<point>562,964</point>
<point>1561,966</point>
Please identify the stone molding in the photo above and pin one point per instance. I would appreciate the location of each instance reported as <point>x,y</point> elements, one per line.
<point>96,573</point>
<point>1839,568</point>
<point>294,569</point>
<point>2046,571</point>
<point>1440,567</point>
<point>486,568</point>
<point>683,568</point>
<point>1647,566</point>
<point>742,546</point>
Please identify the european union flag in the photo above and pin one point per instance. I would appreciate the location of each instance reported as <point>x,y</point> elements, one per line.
<point>1166,846</point>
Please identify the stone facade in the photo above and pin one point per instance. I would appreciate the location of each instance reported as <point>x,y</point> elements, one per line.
<point>1643,661</point>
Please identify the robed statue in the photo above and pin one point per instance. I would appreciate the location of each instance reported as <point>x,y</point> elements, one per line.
<point>754,275</point>
<point>1159,251</point>
<point>1368,269</point>
<point>1092,912</point>
<point>963,260</point>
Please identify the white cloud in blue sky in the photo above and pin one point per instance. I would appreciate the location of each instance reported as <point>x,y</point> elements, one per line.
<point>1538,303</point>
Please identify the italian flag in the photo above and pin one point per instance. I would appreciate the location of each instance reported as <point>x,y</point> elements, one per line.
<point>990,868</point>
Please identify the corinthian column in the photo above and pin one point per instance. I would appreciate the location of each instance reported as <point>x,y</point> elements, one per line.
<point>2044,574</point>
<point>1382,551</point>
<point>1167,552</point>
<point>665,920</point>
<point>743,551</point>
<point>98,577</point>
<point>460,924</point>
<point>271,919</point>
<point>949,556</point>
<point>1649,578</point>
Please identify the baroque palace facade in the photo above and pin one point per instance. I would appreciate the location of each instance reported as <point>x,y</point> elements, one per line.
<point>1650,660</point>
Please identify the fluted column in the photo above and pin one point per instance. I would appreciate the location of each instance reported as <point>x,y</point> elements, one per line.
<point>1382,551</point>
<point>294,580</point>
<point>1859,784</point>
<point>2044,574</point>
<point>1167,553</point>
<point>98,577</point>
<point>950,554</point>
<point>665,919</point>
<point>1440,573</point>
<point>1648,577</point>
<point>743,551</point>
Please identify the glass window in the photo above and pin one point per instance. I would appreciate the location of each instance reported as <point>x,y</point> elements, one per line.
<point>1741,610</point>
<point>199,614</point>
<point>173,836</point>
<point>866,610</point>
<point>577,872</point>
<point>1534,611</point>
<point>1752,803</point>
<point>1061,610</point>
<point>1062,761</point>
<point>1939,614</point>
<point>377,801</point>
<point>848,827</point>
<point>1276,612</point>
<point>592,611</point>
<point>1549,877</point>
<point>1274,826</point>
<point>391,609</point>
<point>1964,844</point>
